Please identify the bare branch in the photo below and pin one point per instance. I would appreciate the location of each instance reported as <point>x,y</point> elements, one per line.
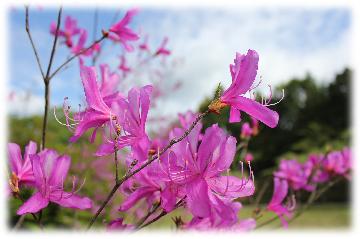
<point>76,55</point>
<point>27,28</point>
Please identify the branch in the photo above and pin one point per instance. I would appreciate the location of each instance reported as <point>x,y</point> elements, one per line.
<point>163,213</point>
<point>130,174</point>
<point>54,46</point>
<point>76,55</point>
<point>154,208</point>
<point>27,28</point>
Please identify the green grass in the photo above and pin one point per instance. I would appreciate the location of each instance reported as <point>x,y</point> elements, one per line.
<point>317,217</point>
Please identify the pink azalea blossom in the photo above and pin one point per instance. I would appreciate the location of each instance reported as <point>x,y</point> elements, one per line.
<point>98,112</point>
<point>216,222</point>
<point>243,74</point>
<point>122,33</point>
<point>162,48</point>
<point>50,171</point>
<point>276,204</point>
<point>131,114</point>
<point>198,171</point>
<point>338,162</point>
<point>21,166</point>
<point>295,173</point>
<point>70,29</point>
<point>109,84</point>
<point>80,46</point>
<point>314,167</point>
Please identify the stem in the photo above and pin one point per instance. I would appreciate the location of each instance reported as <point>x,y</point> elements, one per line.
<point>47,78</point>
<point>27,28</point>
<point>163,213</point>
<point>155,207</point>
<point>95,26</point>
<point>116,166</point>
<point>45,117</point>
<point>76,55</point>
<point>130,174</point>
<point>267,222</point>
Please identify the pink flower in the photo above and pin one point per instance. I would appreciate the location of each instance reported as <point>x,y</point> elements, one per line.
<point>295,173</point>
<point>122,33</point>
<point>21,167</point>
<point>243,74</point>
<point>314,167</point>
<point>109,84</point>
<point>50,171</point>
<point>131,115</point>
<point>338,162</point>
<point>198,172</point>
<point>80,46</point>
<point>123,67</point>
<point>162,50</point>
<point>98,112</point>
<point>70,29</point>
<point>215,222</point>
<point>276,203</point>
<point>246,131</point>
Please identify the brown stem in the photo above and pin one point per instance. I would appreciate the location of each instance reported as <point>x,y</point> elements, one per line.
<point>27,28</point>
<point>95,26</point>
<point>163,213</point>
<point>130,174</point>
<point>116,166</point>
<point>45,117</point>
<point>76,55</point>
<point>142,220</point>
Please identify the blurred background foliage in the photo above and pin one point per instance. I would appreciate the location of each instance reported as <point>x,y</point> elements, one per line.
<point>313,118</point>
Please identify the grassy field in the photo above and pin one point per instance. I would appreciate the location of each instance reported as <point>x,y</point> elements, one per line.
<point>317,217</point>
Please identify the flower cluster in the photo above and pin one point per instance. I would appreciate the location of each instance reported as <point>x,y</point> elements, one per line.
<point>46,172</point>
<point>294,176</point>
<point>189,166</point>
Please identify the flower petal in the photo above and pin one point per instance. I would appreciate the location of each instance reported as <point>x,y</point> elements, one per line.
<point>60,170</point>
<point>256,110</point>
<point>70,200</point>
<point>15,157</point>
<point>197,198</point>
<point>34,204</point>
<point>133,198</point>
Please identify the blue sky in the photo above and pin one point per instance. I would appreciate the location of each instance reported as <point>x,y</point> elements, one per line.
<point>290,41</point>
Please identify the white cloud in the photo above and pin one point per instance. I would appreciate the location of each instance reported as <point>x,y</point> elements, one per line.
<point>208,43</point>
<point>23,103</point>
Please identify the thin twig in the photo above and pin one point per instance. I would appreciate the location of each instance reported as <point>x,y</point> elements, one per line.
<point>76,55</point>
<point>116,165</point>
<point>153,209</point>
<point>27,28</point>
<point>95,27</point>
<point>130,174</point>
<point>163,213</point>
